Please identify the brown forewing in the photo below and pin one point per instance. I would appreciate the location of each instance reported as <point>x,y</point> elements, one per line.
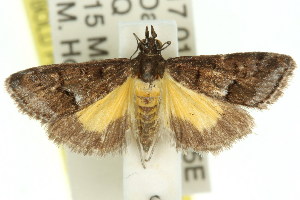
<point>252,79</point>
<point>51,91</point>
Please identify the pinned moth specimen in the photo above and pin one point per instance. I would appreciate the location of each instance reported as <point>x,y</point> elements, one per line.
<point>197,100</point>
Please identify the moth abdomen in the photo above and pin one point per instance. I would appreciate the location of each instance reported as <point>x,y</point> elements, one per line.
<point>147,104</point>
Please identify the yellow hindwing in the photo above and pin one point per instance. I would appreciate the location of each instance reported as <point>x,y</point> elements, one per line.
<point>180,102</point>
<point>113,106</point>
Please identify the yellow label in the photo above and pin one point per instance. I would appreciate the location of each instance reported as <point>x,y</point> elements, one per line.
<point>37,13</point>
<point>186,198</point>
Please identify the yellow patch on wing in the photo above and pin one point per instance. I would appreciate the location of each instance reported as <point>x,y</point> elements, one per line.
<point>201,111</point>
<point>113,106</point>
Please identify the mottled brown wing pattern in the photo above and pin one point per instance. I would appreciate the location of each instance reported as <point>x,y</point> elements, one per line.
<point>90,106</point>
<point>55,93</point>
<point>70,132</point>
<point>52,91</point>
<point>253,79</point>
<point>248,79</point>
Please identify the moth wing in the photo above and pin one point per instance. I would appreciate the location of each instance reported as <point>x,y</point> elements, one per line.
<point>201,123</point>
<point>253,79</point>
<point>51,91</point>
<point>99,128</point>
<point>69,98</point>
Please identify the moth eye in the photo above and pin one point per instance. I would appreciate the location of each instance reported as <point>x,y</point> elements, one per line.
<point>141,46</point>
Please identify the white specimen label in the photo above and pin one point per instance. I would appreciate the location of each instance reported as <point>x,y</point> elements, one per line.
<point>84,30</point>
<point>88,30</point>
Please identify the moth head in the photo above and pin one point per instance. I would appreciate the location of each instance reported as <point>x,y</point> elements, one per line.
<point>150,45</point>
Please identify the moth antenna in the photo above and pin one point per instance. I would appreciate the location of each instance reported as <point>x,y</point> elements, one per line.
<point>153,33</point>
<point>147,33</point>
<point>137,48</point>
<point>137,45</point>
<point>138,39</point>
<point>141,154</point>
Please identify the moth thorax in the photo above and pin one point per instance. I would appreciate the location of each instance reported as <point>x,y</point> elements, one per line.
<point>147,103</point>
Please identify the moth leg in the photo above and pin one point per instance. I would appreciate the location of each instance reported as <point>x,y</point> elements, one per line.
<point>150,156</point>
<point>146,157</point>
<point>163,45</point>
<point>141,153</point>
<point>152,149</point>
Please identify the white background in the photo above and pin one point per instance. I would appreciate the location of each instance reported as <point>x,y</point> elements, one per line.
<point>265,165</point>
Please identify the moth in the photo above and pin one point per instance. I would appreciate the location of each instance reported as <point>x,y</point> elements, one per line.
<point>197,101</point>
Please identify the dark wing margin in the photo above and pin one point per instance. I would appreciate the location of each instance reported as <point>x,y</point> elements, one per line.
<point>234,124</point>
<point>70,132</point>
<point>253,79</point>
<point>53,91</point>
